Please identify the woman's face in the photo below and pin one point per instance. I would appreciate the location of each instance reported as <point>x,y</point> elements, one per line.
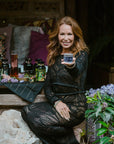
<point>66,36</point>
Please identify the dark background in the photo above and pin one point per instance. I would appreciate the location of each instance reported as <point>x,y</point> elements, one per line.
<point>96,18</point>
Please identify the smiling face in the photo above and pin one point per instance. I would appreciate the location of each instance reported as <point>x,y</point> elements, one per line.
<point>66,37</point>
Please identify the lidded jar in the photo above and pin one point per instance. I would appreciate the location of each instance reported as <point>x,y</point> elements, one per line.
<point>5,66</point>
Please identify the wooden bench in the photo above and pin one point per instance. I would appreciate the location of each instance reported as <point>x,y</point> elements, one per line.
<point>9,100</point>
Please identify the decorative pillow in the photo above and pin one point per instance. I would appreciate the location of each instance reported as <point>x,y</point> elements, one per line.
<point>8,32</point>
<point>38,46</point>
<point>21,41</point>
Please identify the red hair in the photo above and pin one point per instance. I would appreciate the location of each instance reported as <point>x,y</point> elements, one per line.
<point>54,48</point>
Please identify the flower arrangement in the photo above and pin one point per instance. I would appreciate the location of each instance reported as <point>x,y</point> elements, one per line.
<point>20,79</point>
<point>101,111</point>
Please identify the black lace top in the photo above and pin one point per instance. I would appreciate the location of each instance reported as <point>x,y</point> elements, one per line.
<point>61,84</point>
<point>64,81</point>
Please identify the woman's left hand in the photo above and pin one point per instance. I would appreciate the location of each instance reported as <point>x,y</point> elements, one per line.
<point>63,110</point>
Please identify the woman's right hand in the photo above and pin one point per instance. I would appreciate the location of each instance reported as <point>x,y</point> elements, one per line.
<point>63,110</point>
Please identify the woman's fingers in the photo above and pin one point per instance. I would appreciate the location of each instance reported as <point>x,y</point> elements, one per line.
<point>65,114</point>
<point>63,110</point>
<point>66,63</point>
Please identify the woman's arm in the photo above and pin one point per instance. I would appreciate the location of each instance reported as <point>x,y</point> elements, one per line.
<point>61,107</point>
<point>80,64</point>
<point>48,89</point>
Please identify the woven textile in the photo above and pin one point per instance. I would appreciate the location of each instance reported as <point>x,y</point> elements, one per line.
<point>27,91</point>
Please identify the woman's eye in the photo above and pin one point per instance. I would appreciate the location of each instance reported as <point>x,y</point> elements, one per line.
<point>70,34</point>
<point>65,34</point>
<point>61,33</point>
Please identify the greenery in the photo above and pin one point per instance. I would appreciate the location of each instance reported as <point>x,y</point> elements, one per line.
<point>102,112</point>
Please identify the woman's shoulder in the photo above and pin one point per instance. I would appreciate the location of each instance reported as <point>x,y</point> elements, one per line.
<point>82,53</point>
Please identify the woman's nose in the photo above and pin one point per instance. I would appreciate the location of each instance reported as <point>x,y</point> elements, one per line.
<point>65,37</point>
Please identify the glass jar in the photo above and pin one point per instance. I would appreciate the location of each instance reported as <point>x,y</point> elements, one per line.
<point>28,66</point>
<point>14,65</point>
<point>41,71</point>
<point>5,67</point>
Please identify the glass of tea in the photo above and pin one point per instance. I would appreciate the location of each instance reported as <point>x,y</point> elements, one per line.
<point>14,65</point>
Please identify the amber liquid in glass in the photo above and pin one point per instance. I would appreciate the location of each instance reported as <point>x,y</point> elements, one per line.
<point>14,65</point>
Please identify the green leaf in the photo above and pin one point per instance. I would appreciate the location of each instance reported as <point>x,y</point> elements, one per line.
<point>101,131</point>
<point>95,96</point>
<point>92,99</point>
<point>102,115</point>
<point>96,141</point>
<point>111,132</point>
<point>98,109</point>
<point>92,115</point>
<point>110,104</point>
<point>88,112</point>
<point>104,140</point>
<point>98,93</point>
<point>89,99</point>
<point>104,124</point>
<point>110,110</point>
<point>107,116</point>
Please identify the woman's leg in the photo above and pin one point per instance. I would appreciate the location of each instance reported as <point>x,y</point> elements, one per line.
<point>46,125</point>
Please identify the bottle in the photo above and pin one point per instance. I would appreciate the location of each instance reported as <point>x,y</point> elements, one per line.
<point>14,65</point>
<point>0,74</point>
<point>0,61</point>
<point>36,65</point>
<point>0,67</point>
<point>41,71</point>
<point>28,66</point>
<point>5,67</point>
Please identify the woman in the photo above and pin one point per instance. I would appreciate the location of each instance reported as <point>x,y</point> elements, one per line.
<point>53,121</point>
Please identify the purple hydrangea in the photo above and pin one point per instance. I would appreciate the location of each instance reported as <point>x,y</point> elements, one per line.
<point>20,75</point>
<point>13,80</point>
<point>105,89</point>
<point>4,80</point>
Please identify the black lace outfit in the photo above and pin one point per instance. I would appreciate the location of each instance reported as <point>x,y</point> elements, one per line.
<point>62,84</point>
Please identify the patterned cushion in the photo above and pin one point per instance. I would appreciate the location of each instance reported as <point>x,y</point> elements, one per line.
<point>38,46</point>
<point>8,32</point>
<point>21,41</point>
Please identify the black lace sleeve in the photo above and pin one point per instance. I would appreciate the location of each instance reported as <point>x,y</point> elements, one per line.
<point>81,63</point>
<point>48,89</point>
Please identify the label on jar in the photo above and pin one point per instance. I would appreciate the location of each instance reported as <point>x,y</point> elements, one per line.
<point>41,75</point>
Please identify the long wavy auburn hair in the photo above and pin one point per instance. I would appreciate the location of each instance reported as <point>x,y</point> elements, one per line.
<point>54,48</point>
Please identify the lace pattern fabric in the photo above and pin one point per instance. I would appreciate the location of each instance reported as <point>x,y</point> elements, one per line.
<point>43,119</point>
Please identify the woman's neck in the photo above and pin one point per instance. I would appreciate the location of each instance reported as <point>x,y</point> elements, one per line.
<point>66,51</point>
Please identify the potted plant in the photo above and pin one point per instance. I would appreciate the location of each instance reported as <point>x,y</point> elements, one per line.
<point>100,114</point>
